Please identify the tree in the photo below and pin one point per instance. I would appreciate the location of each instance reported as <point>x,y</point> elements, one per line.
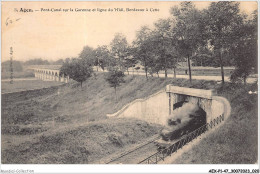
<point>130,60</point>
<point>189,30</point>
<point>222,20</point>
<point>17,66</point>
<point>77,69</point>
<point>203,60</point>
<point>115,77</point>
<point>164,46</point>
<point>204,57</point>
<point>119,48</point>
<point>58,62</point>
<point>88,55</point>
<point>142,47</point>
<point>244,50</point>
<point>37,61</point>
<point>102,57</point>
<point>154,66</point>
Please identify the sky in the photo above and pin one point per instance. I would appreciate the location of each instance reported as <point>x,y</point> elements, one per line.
<point>61,34</point>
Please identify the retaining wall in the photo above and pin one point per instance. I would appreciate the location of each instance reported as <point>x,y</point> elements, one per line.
<point>153,109</point>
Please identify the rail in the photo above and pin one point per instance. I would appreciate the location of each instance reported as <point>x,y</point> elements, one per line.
<point>136,148</point>
<point>160,155</point>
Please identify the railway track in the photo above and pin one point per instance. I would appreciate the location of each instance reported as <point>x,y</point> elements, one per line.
<point>130,156</point>
<point>179,143</point>
<point>136,155</point>
<point>148,153</point>
<point>150,150</point>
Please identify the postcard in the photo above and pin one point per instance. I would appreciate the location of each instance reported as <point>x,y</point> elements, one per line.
<point>102,84</point>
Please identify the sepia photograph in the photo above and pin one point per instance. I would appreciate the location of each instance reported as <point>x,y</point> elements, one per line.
<point>113,83</point>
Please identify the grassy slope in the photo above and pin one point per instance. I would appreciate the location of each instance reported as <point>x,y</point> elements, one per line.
<point>62,122</point>
<point>82,144</point>
<point>28,117</point>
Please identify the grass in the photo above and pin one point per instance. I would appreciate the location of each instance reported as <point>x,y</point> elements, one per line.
<point>26,85</point>
<point>67,124</point>
<point>82,144</point>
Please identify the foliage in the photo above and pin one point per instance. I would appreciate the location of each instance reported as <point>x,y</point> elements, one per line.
<point>189,29</point>
<point>115,77</point>
<point>245,50</point>
<point>217,36</point>
<point>164,42</point>
<point>130,60</point>
<point>77,69</point>
<point>119,47</point>
<point>103,57</point>
<point>154,66</point>
<point>155,49</point>
<point>58,62</point>
<point>142,47</point>
<point>88,55</point>
<point>37,61</point>
<point>204,57</point>
<point>17,66</point>
<point>222,20</point>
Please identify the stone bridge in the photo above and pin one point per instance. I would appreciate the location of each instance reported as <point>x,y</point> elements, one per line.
<point>158,107</point>
<point>49,73</point>
<point>203,98</point>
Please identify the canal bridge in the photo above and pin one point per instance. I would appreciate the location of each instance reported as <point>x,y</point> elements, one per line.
<point>49,73</point>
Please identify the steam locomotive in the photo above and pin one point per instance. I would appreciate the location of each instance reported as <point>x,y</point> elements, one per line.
<point>180,126</point>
